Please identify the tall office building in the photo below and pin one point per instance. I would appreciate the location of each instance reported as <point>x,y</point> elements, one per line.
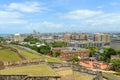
<point>80,37</point>
<point>115,42</point>
<point>102,37</point>
<point>76,37</point>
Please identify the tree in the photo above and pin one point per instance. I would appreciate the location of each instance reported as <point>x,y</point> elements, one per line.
<point>106,56</point>
<point>31,39</point>
<point>118,52</point>
<point>92,49</point>
<point>44,49</point>
<point>116,64</point>
<point>2,40</point>
<point>75,57</point>
<point>109,52</point>
<point>57,54</point>
<point>59,44</point>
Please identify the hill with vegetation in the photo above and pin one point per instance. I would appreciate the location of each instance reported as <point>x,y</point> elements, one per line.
<point>34,70</point>
<point>8,55</point>
<point>13,53</point>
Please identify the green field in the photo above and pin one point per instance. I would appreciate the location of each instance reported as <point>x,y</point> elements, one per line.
<point>27,55</point>
<point>8,55</point>
<point>117,75</point>
<point>81,77</point>
<point>66,74</point>
<point>34,70</point>
<point>51,59</point>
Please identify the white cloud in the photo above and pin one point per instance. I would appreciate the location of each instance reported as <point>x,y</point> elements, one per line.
<point>93,17</point>
<point>105,19</point>
<point>26,7</point>
<point>81,14</point>
<point>100,7</point>
<point>8,14</point>
<point>7,17</point>
<point>93,20</point>
<point>115,4</point>
<point>44,25</point>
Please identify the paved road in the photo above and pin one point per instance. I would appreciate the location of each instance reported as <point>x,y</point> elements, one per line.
<point>110,77</point>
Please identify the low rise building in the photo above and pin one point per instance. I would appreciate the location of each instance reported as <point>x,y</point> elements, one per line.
<point>115,57</point>
<point>67,53</point>
<point>85,43</point>
<point>115,44</point>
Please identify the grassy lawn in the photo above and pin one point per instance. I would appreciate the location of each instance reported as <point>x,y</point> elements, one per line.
<point>26,54</point>
<point>68,74</point>
<point>65,72</point>
<point>52,59</point>
<point>81,77</point>
<point>29,55</point>
<point>34,70</point>
<point>8,55</point>
<point>114,75</point>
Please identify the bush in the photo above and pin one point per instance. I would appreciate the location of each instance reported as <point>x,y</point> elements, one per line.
<point>116,64</point>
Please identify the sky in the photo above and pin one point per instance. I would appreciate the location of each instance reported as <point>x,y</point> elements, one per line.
<point>49,16</point>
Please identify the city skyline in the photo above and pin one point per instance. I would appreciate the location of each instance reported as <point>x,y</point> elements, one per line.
<point>24,16</point>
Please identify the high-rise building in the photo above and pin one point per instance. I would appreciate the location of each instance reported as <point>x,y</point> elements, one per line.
<point>115,42</point>
<point>67,36</point>
<point>85,43</point>
<point>80,37</point>
<point>102,37</point>
<point>76,37</point>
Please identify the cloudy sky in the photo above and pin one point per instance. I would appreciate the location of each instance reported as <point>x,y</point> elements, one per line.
<point>24,16</point>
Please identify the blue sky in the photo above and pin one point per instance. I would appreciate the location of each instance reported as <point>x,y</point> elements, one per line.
<point>24,16</point>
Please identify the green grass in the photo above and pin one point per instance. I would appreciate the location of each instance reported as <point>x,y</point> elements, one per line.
<point>65,72</point>
<point>27,55</point>
<point>114,75</point>
<point>51,59</point>
<point>81,77</point>
<point>8,55</point>
<point>34,70</point>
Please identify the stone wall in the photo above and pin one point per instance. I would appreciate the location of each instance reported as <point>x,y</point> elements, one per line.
<point>21,63</point>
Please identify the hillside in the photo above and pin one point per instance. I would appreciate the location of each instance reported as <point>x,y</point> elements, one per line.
<point>15,54</point>
<point>27,55</point>
<point>34,70</point>
<point>8,55</point>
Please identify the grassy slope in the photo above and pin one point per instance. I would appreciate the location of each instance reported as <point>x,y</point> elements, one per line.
<point>29,55</point>
<point>114,75</point>
<point>76,75</point>
<point>81,77</point>
<point>51,59</point>
<point>66,74</point>
<point>26,54</point>
<point>8,55</point>
<point>35,70</point>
